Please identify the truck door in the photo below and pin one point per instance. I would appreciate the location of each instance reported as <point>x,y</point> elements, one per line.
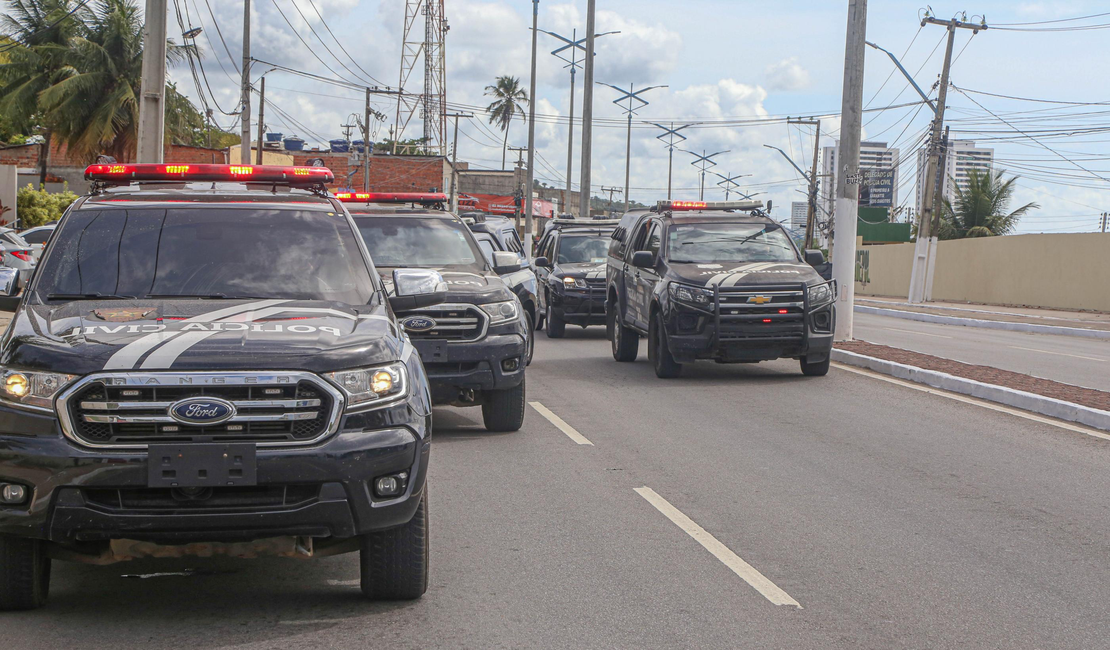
<point>543,274</point>
<point>648,278</point>
<point>636,280</point>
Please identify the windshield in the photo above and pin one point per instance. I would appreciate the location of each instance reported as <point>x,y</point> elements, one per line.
<point>705,243</point>
<point>401,242</point>
<point>210,253</point>
<point>583,249</point>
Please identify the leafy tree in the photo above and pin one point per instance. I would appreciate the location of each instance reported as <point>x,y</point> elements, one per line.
<point>36,207</point>
<point>410,147</point>
<point>982,210</point>
<point>186,125</point>
<point>509,100</point>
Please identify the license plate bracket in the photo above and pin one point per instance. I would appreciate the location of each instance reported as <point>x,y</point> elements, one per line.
<point>202,465</point>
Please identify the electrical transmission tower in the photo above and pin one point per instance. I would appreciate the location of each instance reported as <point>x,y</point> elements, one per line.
<point>429,47</point>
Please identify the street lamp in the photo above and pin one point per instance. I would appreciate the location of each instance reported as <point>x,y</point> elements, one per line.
<point>729,183</point>
<point>671,133</point>
<point>632,96</point>
<point>703,162</point>
<point>573,44</point>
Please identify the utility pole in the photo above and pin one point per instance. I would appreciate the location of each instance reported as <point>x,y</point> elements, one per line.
<point>632,96</point>
<point>261,115</point>
<point>847,182</point>
<point>528,238</point>
<point>587,113</point>
<point>924,254</point>
<point>1105,219</point>
<point>245,97</point>
<point>811,212</point>
<point>152,106</point>
<point>611,191</point>
<point>573,44</point>
<point>455,162</point>
<point>670,133</point>
<point>366,146</point>
<point>519,182</point>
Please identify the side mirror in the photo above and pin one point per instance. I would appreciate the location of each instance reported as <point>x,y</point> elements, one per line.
<point>543,263</point>
<point>9,289</point>
<point>815,257</point>
<point>505,262</point>
<point>643,260</point>
<point>416,289</point>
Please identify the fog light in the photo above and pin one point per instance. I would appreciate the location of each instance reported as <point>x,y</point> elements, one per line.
<point>510,365</point>
<point>392,485</point>
<point>11,494</point>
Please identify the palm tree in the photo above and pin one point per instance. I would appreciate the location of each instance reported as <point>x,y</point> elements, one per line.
<point>39,31</point>
<point>95,106</point>
<point>981,210</point>
<point>509,100</point>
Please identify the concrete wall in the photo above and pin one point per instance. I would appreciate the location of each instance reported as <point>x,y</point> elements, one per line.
<point>1064,271</point>
<point>8,186</point>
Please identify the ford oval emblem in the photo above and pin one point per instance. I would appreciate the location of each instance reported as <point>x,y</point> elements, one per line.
<point>418,324</point>
<point>202,410</point>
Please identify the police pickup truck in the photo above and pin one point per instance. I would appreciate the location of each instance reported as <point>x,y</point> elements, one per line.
<point>207,362</point>
<point>718,281</point>
<point>476,345</point>
<point>570,272</point>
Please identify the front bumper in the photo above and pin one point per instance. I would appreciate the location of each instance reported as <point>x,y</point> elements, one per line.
<point>85,496</point>
<point>704,342</point>
<point>580,307</point>
<point>455,368</point>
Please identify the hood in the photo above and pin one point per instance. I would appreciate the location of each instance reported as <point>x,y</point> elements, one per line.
<point>745,274</point>
<point>89,336</point>
<point>470,287</point>
<point>582,270</point>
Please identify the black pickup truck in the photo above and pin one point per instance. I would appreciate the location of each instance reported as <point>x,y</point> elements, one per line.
<point>477,344</point>
<point>207,361</point>
<point>719,281</point>
<point>570,272</point>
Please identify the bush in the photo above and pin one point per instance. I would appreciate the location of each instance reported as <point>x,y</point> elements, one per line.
<point>36,207</point>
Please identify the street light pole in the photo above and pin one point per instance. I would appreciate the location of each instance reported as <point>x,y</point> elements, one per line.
<point>528,230</point>
<point>245,119</point>
<point>152,103</point>
<point>670,133</point>
<point>632,95</point>
<point>587,113</point>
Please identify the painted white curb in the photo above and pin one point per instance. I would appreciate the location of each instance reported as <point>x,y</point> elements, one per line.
<point>1048,406</point>
<point>986,324</point>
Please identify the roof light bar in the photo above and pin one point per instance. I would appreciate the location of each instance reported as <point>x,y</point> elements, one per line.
<point>123,174</point>
<point>423,198</point>
<point>688,206</point>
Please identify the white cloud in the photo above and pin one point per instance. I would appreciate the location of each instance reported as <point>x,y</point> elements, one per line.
<point>787,75</point>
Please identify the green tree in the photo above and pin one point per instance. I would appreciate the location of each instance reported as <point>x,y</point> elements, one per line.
<point>186,125</point>
<point>509,100</point>
<point>39,31</point>
<point>36,207</point>
<point>983,209</point>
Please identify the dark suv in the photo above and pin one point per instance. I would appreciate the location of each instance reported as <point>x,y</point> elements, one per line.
<point>201,366</point>
<point>718,281</point>
<point>475,345</point>
<point>570,272</point>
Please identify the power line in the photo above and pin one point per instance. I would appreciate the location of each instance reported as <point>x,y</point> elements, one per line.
<point>325,45</point>
<point>216,24</point>
<point>304,42</point>
<point>337,42</point>
<point>1049,22</point>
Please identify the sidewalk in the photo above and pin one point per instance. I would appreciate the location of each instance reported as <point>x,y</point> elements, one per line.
<point>1031,315</point>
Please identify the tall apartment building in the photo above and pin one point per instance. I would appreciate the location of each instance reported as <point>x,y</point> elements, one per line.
<point>878,168</point>
<point>962,156</point>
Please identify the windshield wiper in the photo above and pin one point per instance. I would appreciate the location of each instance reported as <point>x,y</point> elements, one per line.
<point>87,296</point>
<point>202,296</point>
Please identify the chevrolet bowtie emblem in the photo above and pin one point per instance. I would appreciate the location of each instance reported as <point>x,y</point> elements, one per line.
<point>760,300</point>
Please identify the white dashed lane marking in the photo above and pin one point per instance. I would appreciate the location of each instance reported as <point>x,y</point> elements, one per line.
<point>560,424</point>
<point>747,572</point>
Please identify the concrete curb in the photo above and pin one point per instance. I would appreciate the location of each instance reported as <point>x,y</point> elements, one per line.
<point>986,324</point>
<point>1047,406</point>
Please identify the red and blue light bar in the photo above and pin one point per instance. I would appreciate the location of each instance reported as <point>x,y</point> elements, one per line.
<point>423,198</point>
<point>123,174</point>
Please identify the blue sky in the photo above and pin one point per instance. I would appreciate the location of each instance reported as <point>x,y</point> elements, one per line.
<point>721,59</point>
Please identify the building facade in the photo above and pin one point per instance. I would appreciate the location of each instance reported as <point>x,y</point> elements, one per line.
<point>962,157</point>
<point>878,177</point>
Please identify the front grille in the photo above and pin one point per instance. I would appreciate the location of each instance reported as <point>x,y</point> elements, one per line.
<point>453,323</point>
<point>773,314</point>
<point>220,498</point>
<point>597,288</point>
<point>123,410</point>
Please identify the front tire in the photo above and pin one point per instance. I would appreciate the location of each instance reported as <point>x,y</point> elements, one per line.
<point>24,573</point>
<point>665,365</point>
<point>626,341</point>
<point>394,563</point>
<point>556,326</point>
<point>816,368</point>
<point>503,410</point>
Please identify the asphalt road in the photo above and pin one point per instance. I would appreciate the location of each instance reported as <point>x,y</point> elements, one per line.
<point>1068,359</point>
<point>894,518</point>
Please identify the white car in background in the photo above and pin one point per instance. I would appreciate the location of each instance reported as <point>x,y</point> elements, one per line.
<point>37,238</point>
<point>16,253</point>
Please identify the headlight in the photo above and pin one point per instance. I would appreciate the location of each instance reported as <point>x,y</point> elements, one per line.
<point>32,388</point>
<point>575,283</point>
<point>820,295</point>
<point>367,386</point>
<point>501,312</point>
<point>692,295</point>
